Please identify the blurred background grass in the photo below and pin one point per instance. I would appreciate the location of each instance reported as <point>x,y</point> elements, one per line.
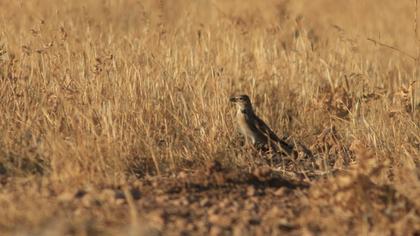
<point>104,92</point>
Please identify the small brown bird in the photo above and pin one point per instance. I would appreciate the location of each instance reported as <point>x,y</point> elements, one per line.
<point>254,129</point>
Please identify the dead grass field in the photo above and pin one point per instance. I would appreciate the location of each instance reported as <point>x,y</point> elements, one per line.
<point>115,120</point>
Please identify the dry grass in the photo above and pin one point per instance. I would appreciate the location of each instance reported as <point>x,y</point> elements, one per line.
<point>99,94</point>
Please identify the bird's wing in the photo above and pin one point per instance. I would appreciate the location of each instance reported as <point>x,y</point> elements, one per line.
<point>261,126</point>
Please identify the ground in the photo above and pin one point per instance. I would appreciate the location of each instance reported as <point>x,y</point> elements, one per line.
<point>115,117</point>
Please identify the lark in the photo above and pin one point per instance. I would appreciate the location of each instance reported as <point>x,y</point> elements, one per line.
<point>256,130</point>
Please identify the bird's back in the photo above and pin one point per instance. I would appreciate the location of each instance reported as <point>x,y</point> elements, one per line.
<point>270,137</point>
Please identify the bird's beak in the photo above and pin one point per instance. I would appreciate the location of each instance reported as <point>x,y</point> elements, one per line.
<point>232,99</point>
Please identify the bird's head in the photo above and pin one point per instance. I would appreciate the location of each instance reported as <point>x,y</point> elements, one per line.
<point>242,102</point>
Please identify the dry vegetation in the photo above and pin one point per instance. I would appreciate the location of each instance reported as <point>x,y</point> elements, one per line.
<point>114,117</point>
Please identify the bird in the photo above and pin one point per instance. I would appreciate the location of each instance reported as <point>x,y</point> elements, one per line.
<point>255,129</point>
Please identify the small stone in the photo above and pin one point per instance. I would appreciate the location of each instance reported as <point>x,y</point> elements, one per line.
<point>107,195</point>
<point>262,173</point>
<point>220,220</point>
<point>65,197</point>
<point>88,200</point>
<point>204,202</point>
<point>120,201</point>
<point>215,230</point>
<point>280,192</point>
<point>250,191</point>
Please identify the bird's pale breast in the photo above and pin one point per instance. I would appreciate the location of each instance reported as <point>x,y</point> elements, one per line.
<point>244,127</point>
